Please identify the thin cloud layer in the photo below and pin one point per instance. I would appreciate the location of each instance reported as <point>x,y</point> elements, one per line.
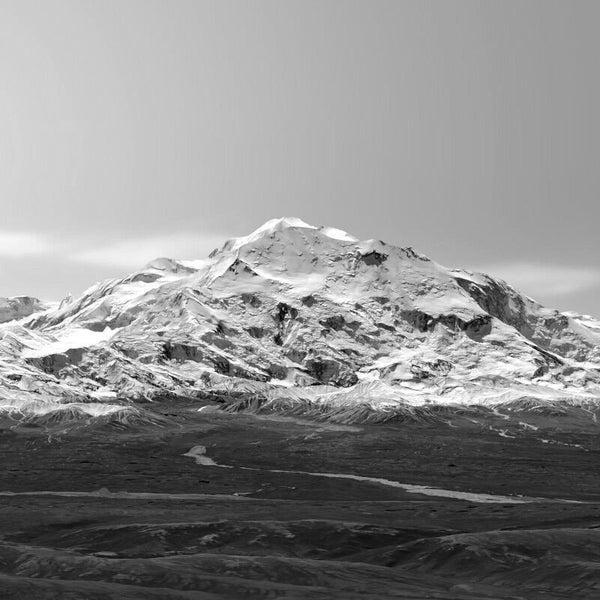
<point>17,244</point>
<point>135,253</point>
<point>130,253</point>
<point>539,280</point>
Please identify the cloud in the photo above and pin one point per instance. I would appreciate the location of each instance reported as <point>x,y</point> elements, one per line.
<point>135,253</point>
<point>127,253</point>
<point>541,280</point>
<point>17,244</point>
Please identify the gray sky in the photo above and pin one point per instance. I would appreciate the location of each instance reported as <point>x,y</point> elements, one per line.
<point>136,128</point>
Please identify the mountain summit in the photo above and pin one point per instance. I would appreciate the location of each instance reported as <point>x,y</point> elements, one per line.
<point>299,315</point>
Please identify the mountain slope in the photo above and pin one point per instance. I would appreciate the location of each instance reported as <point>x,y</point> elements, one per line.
<point>298,314</point>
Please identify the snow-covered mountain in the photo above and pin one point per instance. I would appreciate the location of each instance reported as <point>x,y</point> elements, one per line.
<point>296,314</point>
<point>19,307</point>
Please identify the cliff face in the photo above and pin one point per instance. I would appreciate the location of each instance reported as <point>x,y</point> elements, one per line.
<point>294,311</point>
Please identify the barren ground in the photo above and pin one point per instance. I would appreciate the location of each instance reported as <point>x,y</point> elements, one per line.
<point>149,522</point>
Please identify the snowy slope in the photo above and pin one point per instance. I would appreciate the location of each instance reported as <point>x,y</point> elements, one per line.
<point>299,313</point>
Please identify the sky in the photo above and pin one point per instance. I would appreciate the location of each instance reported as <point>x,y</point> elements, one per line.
<point>131,129</point>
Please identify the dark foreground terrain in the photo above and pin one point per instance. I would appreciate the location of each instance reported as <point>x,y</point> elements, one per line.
<point>299,509</point>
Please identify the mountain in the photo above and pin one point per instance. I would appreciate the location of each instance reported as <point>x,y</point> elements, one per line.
<point>296,318</point>
<point>18,307</point>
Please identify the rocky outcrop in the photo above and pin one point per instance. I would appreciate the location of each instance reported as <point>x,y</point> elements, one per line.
<point>181,352</point>
<point>476,328</point>
<point>329,371</point>
<point>373,258</point>
<point>54,364</point>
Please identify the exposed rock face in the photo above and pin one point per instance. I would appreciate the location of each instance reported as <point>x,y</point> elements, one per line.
<point>551,330</point>
<point>294,308</point>
<point>182,352</point>
<point>54,364</point>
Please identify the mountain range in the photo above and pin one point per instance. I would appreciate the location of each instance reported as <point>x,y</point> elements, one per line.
<point>295,318</point>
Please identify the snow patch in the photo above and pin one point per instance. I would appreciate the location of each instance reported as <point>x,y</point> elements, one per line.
<point>198,453</point>
<point>338,234</point>
<point>69,339</point>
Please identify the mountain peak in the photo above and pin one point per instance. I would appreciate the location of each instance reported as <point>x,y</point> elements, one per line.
<point>291,225</point>
<point>280,223</point>
<point>283,223</point>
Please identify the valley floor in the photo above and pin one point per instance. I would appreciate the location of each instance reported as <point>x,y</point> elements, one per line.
<point>215,505</point>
